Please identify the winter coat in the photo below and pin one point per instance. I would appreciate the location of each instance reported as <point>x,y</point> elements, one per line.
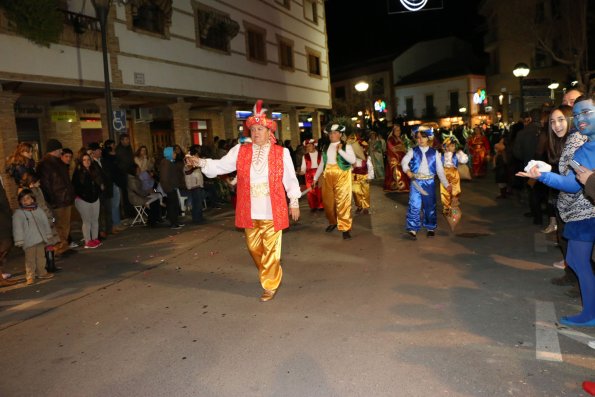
<point>170,175</point>
<point>30,228</point>
<point>136,194</point>
<point>5,215</point>
<point>55,182</point>
<point>87,183</point>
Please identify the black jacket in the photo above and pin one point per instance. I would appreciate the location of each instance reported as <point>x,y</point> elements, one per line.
<point>87,183</point>
<point>55,182</point>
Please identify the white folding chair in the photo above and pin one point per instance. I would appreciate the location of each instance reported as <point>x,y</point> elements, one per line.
<point>141,215</point>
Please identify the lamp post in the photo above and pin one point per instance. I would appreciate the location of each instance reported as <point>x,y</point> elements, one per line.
<point>553,86</point>
<point>362,87</point>
<point>102,10</point>
<point>521,70</point>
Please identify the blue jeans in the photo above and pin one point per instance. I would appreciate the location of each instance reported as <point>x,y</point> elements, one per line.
<point>116,206</point>
<point>196,200</point>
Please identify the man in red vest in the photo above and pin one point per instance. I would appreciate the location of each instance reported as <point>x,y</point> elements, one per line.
<point>265,178</point>
<point>310,162</point>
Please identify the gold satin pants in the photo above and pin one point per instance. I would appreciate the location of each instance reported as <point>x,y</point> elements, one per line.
<point>336,196</point>
<point>264,244</point>
<point>361,191</point>
<point>454,179</point>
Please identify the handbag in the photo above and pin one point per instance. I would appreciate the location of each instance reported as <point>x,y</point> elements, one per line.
<point>464,172</point>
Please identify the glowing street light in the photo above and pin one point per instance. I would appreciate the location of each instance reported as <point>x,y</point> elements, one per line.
<point>361,86</point>
<point>521,70</point>
<point>553,86</point>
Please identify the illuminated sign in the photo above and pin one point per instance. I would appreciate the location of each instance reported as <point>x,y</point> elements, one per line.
<point>380,106</point>
<point>244,114</point>
<point>480,97</point>
<point>401,6</point>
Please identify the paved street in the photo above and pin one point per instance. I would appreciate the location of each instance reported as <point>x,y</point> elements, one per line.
<point>156,312</point>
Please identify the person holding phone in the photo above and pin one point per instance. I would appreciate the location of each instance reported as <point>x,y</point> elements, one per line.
<point>580,232</point>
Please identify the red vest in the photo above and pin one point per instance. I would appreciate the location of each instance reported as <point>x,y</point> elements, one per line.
<point>309,160</point>
<point>276,188</point>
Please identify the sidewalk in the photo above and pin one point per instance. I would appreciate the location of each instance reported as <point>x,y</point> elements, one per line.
<point>119,255</point>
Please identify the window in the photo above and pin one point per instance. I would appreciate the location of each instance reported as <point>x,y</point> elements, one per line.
<point>255,43</point>
<point>284,3</point>
<point>313,62</point>
<point>409,107</point>
<point>214,29</point>
<point>285,53</point>
<point>430,105</point>
<point>149,17</point>
<point>311,10</point>
<point>340,92</point>
<point>454,102</point>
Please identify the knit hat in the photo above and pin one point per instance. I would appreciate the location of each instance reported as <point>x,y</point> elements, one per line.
<point>52,145</point>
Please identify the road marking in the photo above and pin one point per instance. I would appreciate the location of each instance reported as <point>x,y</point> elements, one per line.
<point>547,345</point>
<point>577,336</point>
<point>35,302</point>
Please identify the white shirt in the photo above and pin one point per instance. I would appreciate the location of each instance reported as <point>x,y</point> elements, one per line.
<point>260,198</point>
<point>424,169</point>
<point>461,156</point>
<point>331,156</point>
<point>313,157</point>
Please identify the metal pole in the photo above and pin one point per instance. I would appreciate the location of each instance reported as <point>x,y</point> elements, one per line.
<point>102,12</point>
<point>522,96</point>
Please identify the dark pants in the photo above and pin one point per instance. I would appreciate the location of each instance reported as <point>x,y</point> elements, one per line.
<point>105,215</point>
<point>173,207</point>
<point>154,213</point>
<point>196,196</point>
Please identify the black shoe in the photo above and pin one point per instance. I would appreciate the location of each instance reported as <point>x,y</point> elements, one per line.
<point>330,228</point>
<point>54,269</point>
<point>346,235</point>
<point>412,234</point>
<point>431,233</point>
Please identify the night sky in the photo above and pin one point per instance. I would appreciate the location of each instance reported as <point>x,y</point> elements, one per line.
<point>362,30</point>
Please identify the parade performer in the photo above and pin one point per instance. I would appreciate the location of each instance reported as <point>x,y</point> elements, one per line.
<point>479,148</point>
<point>265,178</point>
<point>336,185</point>
<point>377,151</point>
<point>580,233</point>
<point>395,180</point>
<point>362,171</point>
<point>450,161</point>
<point>310,162</point>
<point>421,164</point>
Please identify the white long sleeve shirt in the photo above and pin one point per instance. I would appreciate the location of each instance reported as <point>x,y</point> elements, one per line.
<point>313,157</point>
<point>331,156</point>
<point>260,198</point>
<point>424,169</point>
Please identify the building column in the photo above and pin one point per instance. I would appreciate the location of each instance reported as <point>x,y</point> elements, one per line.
<point>230,122</point>
<point>294,126</point>
<point>316,128</point>
<point>8,134</point>
<point>181,115</point>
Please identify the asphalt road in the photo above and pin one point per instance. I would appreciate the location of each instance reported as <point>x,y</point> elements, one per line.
<point>155,312</point>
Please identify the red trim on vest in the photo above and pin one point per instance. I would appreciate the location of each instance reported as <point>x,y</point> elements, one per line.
<point>309,160</point>
<point>276,188</point>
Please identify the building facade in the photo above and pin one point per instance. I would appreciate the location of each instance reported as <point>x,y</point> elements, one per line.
<point>181,71</point>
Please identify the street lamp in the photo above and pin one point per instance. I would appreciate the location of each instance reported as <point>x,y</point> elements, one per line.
<point>102,10</point>
<point>553,86</point>
<point>521,70</point>
<point>362,87</point>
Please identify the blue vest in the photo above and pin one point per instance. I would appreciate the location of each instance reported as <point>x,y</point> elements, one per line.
<point>418,156</point>
<point>455,160</point>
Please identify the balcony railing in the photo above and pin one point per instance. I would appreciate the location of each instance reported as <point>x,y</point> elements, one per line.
<point>80,23</point>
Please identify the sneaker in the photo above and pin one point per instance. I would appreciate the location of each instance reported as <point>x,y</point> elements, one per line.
<point>98,243</point>
<point>6,276</point>
<point>560,264</point>
<point>46,276</point>
<point>91,244</point>
<point>73,245</point>
<point>176,226</point>
<point>550,229</point>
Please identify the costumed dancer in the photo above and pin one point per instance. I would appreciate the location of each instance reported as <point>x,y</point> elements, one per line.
<point>336,185</point>
<point>395,180</point>
<point>265,178</point>
<point>479,148</point>
<point>579,233</point>
<point>421,164</point>
<point>377,151</point>
<point>362,173</point>
<point>310,162</point>
<point>450,162</point>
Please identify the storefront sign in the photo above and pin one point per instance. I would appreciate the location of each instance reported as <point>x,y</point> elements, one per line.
<point>63,115</point>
